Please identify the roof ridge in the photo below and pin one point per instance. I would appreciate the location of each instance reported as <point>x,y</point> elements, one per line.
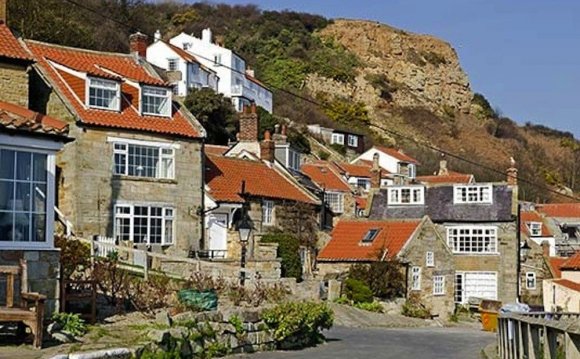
<point>79,49</point>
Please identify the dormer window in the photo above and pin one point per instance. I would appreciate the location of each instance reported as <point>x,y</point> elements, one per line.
<point>407,195</point>
<point>104,94</point>
<point>370,236</point>
<point>155,101</point>
<point>535,229</point>
<point>472,194</point>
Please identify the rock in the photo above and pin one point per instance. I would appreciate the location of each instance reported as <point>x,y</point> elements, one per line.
<point>53,327</point>
<point>179,332</point>
<point>163,318</point>
<point>212,316</point>
<point>62,337</point>
<point>246,315</point>
<point>159,336</point>
<point>115,353</point>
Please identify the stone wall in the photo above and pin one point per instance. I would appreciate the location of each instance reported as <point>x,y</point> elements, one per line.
<point>43,274</point>
<point>14,84</point>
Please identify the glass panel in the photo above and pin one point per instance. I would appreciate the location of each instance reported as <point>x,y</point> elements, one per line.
<point>38,227</point>
<point>6,164</point>
<point>23,165</point>
<point>6,223</point>
<point>23,199</point>
<point>6,195</point>
<point>123,228</point>
<point>168,231</point>
<point>21,227</point>
<point>155,231</point>
<point>39,198</point>
<point>39,174</point>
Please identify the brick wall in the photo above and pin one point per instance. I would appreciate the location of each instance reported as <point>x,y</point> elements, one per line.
<point>14,84</point>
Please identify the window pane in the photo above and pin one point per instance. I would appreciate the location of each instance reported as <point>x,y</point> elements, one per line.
<point>6,164</point>
<point>39,198</point>
<point>23,165</point>
<point>38,228</point>
<point>6,195</point>
<point>6,223</point>
<point>123,228</point>
<point>39,174</point>
<point>21,227</point>
<point>22,199</point>
<point>168,231</point>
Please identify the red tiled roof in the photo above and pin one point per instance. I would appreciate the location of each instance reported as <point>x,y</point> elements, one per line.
<point>358,170</point>
<point>573,263</point>
<point>224,176</point>
<point>533,216</point>
<point>187,56</point>
<point>216,150</point>
<point>345,244</point>
<point>555,263</point>
<point>361,202</point>
<point>17,118</point>
<point>568,284</point>
<point>452,177</point>
<point>393,152</point>
<point>563,210</point>
<point>326,177</point>
<point>113,66</point>
<point>10,47</point>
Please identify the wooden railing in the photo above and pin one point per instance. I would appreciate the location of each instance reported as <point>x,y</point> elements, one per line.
<point>539,335</point>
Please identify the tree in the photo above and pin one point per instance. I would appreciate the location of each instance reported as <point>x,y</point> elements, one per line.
<point>215,112</point>
<point>385,278</point>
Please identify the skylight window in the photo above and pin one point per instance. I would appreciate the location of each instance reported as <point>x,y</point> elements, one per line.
<point>370,236</point>
<point>104,94</point>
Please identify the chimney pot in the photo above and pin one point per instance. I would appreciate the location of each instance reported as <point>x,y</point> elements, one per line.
<point>157,35</point>
<point>267,148</point>
<point>443,171</point>
<point>376,173</point>
<point>3,11</point>
<point>138,44</point>
<point>284,129</point>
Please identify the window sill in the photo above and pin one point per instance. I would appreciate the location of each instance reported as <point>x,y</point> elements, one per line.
<point>476,254</point>
<point>143,179</point>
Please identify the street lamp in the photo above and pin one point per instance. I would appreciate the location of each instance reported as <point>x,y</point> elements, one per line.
<point>525,251</point>
<point>244,230</point>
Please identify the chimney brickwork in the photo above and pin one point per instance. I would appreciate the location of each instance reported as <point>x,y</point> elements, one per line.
<point>249,124</point>
<point>376,173</point>
<point>138,44</point>
<point>3,11</point>
<point>267,148</point>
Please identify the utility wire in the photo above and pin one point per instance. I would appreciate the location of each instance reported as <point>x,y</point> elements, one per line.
<point>324,106</point>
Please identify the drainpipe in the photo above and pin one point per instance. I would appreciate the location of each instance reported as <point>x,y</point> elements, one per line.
<point>519,243</point>
<point>202,187</point>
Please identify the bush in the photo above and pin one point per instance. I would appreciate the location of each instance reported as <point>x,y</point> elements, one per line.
<point>415,309</point>
<point>371,307</point>
<point>215,113</point>
<point>75,256</point>
<point>288,250</point>
<point>357,291</point>
<point>298,324</point>
<point>70,323</point>
<point>385,278</point>
<point>341,149</point>
<point>381,83</point>
<point>486,109</point>
<point>323,155</point>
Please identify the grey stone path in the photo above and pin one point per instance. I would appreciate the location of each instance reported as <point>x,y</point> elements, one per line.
<point>367,343</point>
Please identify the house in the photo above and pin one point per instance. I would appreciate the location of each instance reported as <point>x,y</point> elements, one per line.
<point>285,152</point>
<point>444,175</point>
<point>563,220</point>
<point>478,222</point>
<point>402,166</point>
<point>352,141</point>
<point>426,259</point>
<point>563,293</point>
<point>135,170</point>
<point>360,176</point>
<point>183,70</point>
<point>533,228</point>
<point>236,81</point>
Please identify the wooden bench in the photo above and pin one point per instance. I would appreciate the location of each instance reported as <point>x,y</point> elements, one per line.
<point>30,310</point>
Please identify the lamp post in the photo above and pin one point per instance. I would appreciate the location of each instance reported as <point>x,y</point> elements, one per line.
<point>244,230</point>
<point>525,251</point>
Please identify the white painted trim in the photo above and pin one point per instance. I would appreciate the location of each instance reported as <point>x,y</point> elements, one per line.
<point>533,275</point>
<point>29,143</point>
<point>391,189</point>
<point>168,95</point>
<point>143,142</point>
<point>462,273</point>
<point>456,199</point>
<point>68,70</point>
<point>87,94</point>
<point>471,228</point>
<point>442,285</point>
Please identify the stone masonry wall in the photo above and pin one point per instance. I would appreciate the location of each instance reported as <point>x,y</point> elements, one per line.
<point>14,84</point>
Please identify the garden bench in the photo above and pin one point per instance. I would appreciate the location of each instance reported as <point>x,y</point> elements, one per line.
<point>30,309</point>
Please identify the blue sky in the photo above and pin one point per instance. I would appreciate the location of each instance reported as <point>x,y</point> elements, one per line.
<point>523,55</point>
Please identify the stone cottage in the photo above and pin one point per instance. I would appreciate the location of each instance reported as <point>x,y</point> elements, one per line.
<point>135,170</point>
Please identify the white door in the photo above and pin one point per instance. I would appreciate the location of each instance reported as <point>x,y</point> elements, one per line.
<point>217,225</point>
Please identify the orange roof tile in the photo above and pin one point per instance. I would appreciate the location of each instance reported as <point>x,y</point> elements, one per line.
<point>10,47</point>
<point>216,150</point>
<point>17,118</point>
<point>361,202</point>
<point>393,152</point>
<point>345,244</point>
<point>358,170</point>
<point>573,263</point>
<point>452,177</point>
<point>568,284</point>
<point>187,56</point>
<point>325,176</point>
<point>113,66</point>
<point>533,216</point>
<point>555,263</point>
<point>563,210</point>
<point>224,176</point>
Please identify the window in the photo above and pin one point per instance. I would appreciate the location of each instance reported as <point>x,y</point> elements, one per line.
<point>175,89</point>
<point>217,59</point>
<point>105,94</point>
<point>412,170</point>
<point>363,183</point>
<point>370,236</point>
<point>268,213</point>
<point>472,239</point>
<point>293,159</point>
<point>476,285</point>
<point>334,201</point>
<point>144,224</point>
<point>406,195</point>
<point>172,64</point>
<point>416,278</point>
<point>472,194</point>
<point>353,140</point>
<point>337,138</point>
<point>23,196</point>
<point>535,229</point>
<point>438,285</point>
<point>143,161</point>
<point>155,101</point>
<point>430,259</point>
<point>530,280</point>
<point>186,45</point>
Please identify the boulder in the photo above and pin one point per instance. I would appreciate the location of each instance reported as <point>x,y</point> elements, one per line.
<point>159,336</point>
<point>163,318</point>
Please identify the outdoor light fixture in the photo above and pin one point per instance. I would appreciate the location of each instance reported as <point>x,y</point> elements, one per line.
<point>525,251</point>
<point>244,228</point>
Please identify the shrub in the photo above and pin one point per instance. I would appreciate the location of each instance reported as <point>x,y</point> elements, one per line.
<point>75,256</point>
<point>357,291</point>
<point>288,250</point>
<point>151,294</point>
<point>371,307</point>
<point>415,309</point>
<point>381,83</point>
<point>215,112</point>
<point>323,155</point>
<point>70,323</point>
<point>298,324</point>
<point>112,281</point>
<point>434,58</point>
<point>486,109</point>
<point>341,149</point>
<point>385,278</point>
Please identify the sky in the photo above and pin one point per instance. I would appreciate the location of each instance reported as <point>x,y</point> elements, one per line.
<point>523,55</point>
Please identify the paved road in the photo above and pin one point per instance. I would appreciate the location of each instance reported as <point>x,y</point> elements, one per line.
<point>436,343</point>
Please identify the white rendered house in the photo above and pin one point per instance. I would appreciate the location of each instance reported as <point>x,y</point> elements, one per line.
<point>392,160</point>
<point>235,80</point>
<point>184,70</point>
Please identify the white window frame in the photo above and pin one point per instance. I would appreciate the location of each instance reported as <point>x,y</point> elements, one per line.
<point>268,213</point>
<point>168,92</point>
<point>456,233</point>
<point>531,276</point>
<point>412,170</point>
<point>430,259</point>
<point>165,153</point>
<point>92,82</point>
<point>439,285</point>
<point>365,181</point>
<point>293,159</point>
<point>415,278</point>
<point>535,229</point>
<point>175,61</point>
<point>462,293</point>
<point>337,138</point>
<point>352,140</point>
<point>167,215</point>
<point>335,201</point>
<point>470,194</point>
<point>416,195</point>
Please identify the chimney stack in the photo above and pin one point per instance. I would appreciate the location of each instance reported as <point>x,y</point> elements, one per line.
<point>206,36</point>
<point>443,171</point>
<point>376,173</point>
<point>3,11</point>
<point>138,44</point>
<point>280,134</point>
<point>157,35</point>
<point>512,173</point>
<point>249,124</point>
<point>267,148</point>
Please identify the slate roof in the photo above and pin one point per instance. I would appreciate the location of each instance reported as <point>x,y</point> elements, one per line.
<point>119,67</point>
<point>10,47</point>
<point>393,152</point>
<point>568,284</point>
<point>345,243</point>
<point>573,263</point>
<point>325,176</point>
<point>19,119</point>
<point>562,210</point>
<point>533,216</point>
<point>224,176</point>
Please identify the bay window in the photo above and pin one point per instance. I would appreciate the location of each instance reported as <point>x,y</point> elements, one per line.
<point>406,195</point>
<point>472,194</point>
<point>144,224</point>
<point>104,94</point>
<point>143,160</point>
<point>472,239</point>
<point>155,101</point>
